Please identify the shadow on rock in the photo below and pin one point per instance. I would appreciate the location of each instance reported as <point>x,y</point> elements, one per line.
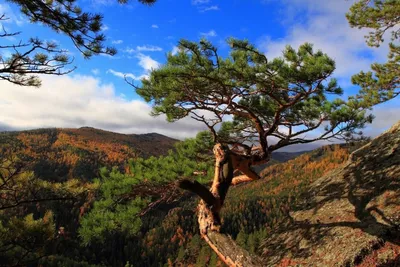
<point>346,214</point>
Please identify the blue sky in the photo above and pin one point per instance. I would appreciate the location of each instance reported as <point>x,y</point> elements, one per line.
<point>96,95</point>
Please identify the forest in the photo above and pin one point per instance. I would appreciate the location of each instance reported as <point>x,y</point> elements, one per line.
<point>271,127</point>
<point>166,233</point>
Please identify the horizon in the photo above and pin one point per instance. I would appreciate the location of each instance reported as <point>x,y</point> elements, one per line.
<point>289,149</point>
<point>96,94</point>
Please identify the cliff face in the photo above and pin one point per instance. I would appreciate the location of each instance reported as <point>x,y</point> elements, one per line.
<point>349,217</point>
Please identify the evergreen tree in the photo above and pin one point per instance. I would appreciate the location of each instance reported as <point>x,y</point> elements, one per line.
<point>123,198</point>
<point>241,238</point>
<point>203,257</point>
<point>36,56</point>
<point>115,211</point>
<point>25,240</point>
<point>213,259</point>
<point>252,242</point>
<point>195,244</point>
<point>245,100</point>
<point>381,17</point>
<point>35,215</point>
<point>284,98</point>
<point>181,254</point>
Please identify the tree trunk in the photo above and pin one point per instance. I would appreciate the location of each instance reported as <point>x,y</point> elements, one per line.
<point>212,201</point>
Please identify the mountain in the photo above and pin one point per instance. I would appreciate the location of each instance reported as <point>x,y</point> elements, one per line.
<point>59,154</point>
<point>145,145</point>
<point>286,156</point>
<point>278,157</point>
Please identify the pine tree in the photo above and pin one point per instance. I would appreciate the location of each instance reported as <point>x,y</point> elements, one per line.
<point>245,99</point>
<point>213,259</point>
<point>382,83</point>
<point>241,239</point>
<point>36,56</point>
<point>203,257</point>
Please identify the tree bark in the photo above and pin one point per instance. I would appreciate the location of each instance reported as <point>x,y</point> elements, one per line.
<point>212,201</point>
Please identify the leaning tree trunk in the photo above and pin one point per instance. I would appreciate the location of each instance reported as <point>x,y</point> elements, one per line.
<point>212,201</point>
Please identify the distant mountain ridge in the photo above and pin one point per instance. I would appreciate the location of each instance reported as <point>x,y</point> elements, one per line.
<point>146,145</point>
<point>278,157</point>
<point>59,154</point>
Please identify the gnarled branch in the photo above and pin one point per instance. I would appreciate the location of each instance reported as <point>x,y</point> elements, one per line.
<point>211,203</point>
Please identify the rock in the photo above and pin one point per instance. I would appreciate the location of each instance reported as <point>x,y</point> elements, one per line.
<point>352,213</point>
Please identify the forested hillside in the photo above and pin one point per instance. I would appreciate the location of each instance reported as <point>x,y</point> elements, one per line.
<point>166,225</point>
<point>62,154</point>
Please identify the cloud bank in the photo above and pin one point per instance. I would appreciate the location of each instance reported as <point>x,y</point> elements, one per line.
<point>323,23</point>
<point>76,101</point>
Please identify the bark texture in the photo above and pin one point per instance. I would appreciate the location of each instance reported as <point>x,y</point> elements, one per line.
<point>212,201</point>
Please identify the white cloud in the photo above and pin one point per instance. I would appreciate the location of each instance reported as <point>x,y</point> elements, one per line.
<point>102,2</point>
<point>10,16</point>
<point>385,117</point>
<point>175,50</point>
<point>104,28</point>
<point>203,7</point>
<point>95,71</point>
<point>208,8</point>
<point>210,33</point>
<point>127,75</point>
<point>117,42</point>
<point>110,56</point>
<point>154,26</point>
<point>129,50</point>
<point>87,102</point>
<point>150,48</point>
<point>147,62</point>
<point>200,2</point>
<point>323,23</point>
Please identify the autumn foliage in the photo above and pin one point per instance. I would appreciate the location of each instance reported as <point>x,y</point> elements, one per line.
<point>62,154</point>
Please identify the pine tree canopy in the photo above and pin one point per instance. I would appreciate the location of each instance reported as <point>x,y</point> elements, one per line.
<point>290,99</point>
<point>36,56</point>
<point>382,18</point>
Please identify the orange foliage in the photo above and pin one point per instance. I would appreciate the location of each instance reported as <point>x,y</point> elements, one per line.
<point>179,235</point>
<point>113,152</point>
<point>66,148</point>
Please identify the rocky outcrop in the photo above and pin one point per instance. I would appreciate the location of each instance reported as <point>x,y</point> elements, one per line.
<point>349,217</point>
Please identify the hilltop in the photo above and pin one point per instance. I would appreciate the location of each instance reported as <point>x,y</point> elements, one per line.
<point>58,154</point>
